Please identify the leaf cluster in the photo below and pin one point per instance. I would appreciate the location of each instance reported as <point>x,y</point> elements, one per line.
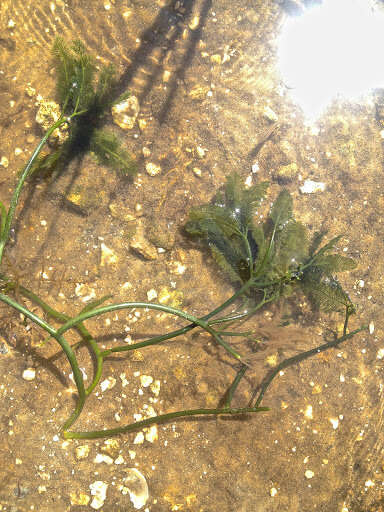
<point>275,256</point>
<point>85,95</point>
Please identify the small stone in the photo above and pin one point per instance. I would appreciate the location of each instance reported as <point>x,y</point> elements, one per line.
<point>197,172</point>
<point>151,294</point>
<point>198,92</point>
<point>311,187</point>
<point>79,498</point>
<point>152,169</point>
<point>30,139</point>
<point>82,452</point>
<point>142,246</point>
<point>194,23</point>
<point>124,114</point>
<point>166,76</point>
<point>273,492</point>
<point>18,151</point>
<point>146,152</point>
<point>155,387</point>
<point>30,91</point>
<point>137,487</point>
<point>102,457</point>
<point>139,439</point>
<point>119,460</point>
<point>108,256</point>
<point>99,491</point>
<point>29,374</point>
<point>216,58</point>
<point>146,380</point>
<point>4,162</point>
<point>287,173</point>
<point>269,114</point>
<point>108,383</point>
<point>371,327</point>
<point>309,474</point>
<point>200,152</point>
<point>151,434</point>
<point>121,212</point>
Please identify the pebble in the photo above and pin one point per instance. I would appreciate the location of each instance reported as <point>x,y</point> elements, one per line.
<point>152,169</point>
<point>124,114</point>
<point>146,380</point>
<point>82,452</point>
<point>4,162</point>
<point>310,187</point>
<point>108,383</point>
<point>142,246</point>
<point>309,474</point>
<point>269,114</point>
<point>108,256</point>
<point>136,486</point>
<point>29,374</point>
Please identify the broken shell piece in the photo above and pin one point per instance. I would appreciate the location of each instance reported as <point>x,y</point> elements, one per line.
<point>310,187</point>
<point>136,485</point>
<point>108,256</point>
<point>125,113</point>
<point>152,169</point>
<point>99,491</point>
<point>108,383</point>
<point>82,451</point>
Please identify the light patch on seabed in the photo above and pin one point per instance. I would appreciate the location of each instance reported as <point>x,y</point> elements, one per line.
<point>332,50</point>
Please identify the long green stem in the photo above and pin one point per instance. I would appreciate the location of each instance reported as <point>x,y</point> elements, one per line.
<point>77,375</point>
<point>301,357</point>
<point>16,193</point>
<point>145,305</point>
<point>96,352</point>
<point>161,418</point>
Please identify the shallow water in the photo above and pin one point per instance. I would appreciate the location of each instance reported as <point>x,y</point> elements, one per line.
<point>211,101</point>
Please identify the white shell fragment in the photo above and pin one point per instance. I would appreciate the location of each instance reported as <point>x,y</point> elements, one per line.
<point>108,383</point>
<point>152,169</point>
<point>108,256</point>
<point>29,374</point>
<point>311,187</point>
<point>99,491</point>
<point>136,485</point>
<point>125,113</point>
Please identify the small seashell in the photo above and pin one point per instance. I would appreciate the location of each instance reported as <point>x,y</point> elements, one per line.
<point>136,485</point>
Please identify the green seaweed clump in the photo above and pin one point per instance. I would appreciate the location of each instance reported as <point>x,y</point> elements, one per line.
<point>273,258</point>
<point>85,96</point>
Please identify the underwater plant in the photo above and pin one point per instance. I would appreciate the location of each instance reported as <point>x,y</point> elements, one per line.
<point>265,261</point>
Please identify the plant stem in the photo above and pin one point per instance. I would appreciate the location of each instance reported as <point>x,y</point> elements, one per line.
<point>141,305</point>
<point>301,357</point>
<point>161,418</point>
<point>4,235</point>
<point>77,375</point>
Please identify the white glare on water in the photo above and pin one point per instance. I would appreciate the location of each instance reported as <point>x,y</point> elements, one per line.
<point>333,49</point>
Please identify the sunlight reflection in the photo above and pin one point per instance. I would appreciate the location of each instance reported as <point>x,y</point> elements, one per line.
<point>333,49</point>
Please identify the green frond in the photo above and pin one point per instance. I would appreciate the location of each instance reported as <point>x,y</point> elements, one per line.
<point>282,210</point>
<point>105,86</point>
<point>241,201</point>
<point>332,263</point>
<point>291,245</point>
<point>328,295</point>
<point>75,73</point>
<point>109,152</point>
